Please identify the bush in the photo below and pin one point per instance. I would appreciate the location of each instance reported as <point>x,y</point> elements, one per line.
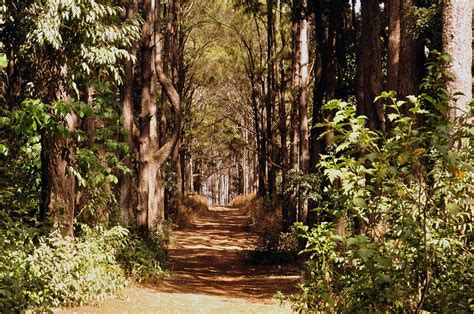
<point>43,271</point>
<point>145,257</point>
<point>242,201</point>
<point>50,271</point>
<point>414,192</point>
<point>272,245</point>
<point>193,205</point>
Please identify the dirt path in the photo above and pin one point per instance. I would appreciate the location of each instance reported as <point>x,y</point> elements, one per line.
<point>212,274</point>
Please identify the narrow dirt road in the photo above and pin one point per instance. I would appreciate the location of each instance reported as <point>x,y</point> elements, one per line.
<point>212,274</point>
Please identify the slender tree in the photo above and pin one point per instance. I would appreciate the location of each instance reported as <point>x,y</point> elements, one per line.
<point>369,65</point>
<point>457,42</point>
<point>128,184</point>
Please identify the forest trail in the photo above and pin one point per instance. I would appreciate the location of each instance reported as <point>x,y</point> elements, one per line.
<point>212,274</point>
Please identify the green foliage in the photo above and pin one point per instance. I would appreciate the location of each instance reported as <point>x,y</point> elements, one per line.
<point>86,36</point>
<point>414,191</point>
<point>144,257</point>
<point>305,187</point>
<point>317,290</point>
<point>20,176</point>
<point>50,271</point>
<point>274,247</point>
<point>3,60</point>
<point>428,23</point>
<point>43,271</point>
<point>97,154</point>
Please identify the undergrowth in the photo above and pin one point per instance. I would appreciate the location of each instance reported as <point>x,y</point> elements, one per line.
<point>243,201</point>
<point>145,257</point>
<point>192,206</point>
<point>272,246</point>
<point>40,270</point>
<point>414,192</point>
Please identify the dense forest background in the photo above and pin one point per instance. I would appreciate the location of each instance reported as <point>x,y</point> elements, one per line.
<point>346,125</point>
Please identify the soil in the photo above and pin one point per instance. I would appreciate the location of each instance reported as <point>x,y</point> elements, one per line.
<point>211,274</point>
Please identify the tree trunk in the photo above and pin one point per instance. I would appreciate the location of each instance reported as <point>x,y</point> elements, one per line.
<point>127,185</point>
<point>260,157</point>
<point>282,124</point>
<point>457,41</point>
<point>58,185</point>
<point>369,65</point>
<point>394,39</point>
<point>299,150</point>
<point>303,60</point>
<point>58,153</point>
<point>147,204</point>
<point>303,102</point>
<point>405,54</point>
<point>270,103</point>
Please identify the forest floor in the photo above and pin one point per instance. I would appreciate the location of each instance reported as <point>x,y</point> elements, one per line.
<point>211,274</point>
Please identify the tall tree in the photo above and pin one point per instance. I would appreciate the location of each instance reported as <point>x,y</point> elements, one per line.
<point>55,48</point>
<point>405,53</point>
<point>147,204</point>
<point>299,132</point>
<point>152,155</point>
<point>457,42</point>
<point>128,184</point>
<point>369,65</point>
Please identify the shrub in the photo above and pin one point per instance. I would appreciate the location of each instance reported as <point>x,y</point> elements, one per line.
<point>192,206</point>
<point>50,271</point>
<point>242,201</point>
<point>275,247</point>
<point>145,257</point>
<point>43,271</point>
<point>414,192</point>
<point>272,246</point>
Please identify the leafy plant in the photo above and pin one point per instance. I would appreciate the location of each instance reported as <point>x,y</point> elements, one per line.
<point>144,258</point>
<point>43,271</point>
<point>413,191</point>
<point>49,271</point>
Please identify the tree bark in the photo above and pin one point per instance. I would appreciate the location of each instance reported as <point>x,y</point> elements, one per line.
<point>457,42</point>
<point>152,156</point>
<point>127,184</point>
<point>270,103</point>
<point>282,122</point>
<point>405,54</point>
<point>58,153</point>
<point>148,213</point>
<point>394,40</point>
<point>411,52</point>
<point>369,65</point>
<point>58,185</point>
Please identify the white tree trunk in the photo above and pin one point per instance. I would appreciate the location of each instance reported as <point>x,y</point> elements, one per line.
<point>457,41</point>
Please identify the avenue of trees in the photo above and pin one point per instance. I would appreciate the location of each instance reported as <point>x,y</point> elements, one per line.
<point>351,121</point>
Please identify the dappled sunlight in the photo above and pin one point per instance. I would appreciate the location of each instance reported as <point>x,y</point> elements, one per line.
<point>210,257</point>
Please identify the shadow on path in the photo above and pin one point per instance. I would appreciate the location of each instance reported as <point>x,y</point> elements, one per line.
<point>210,258</point>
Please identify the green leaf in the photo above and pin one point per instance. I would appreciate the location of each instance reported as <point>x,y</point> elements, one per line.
<point>3,150</point>
<point>453,208</point>
<point>352,241</point>
<point>3,60</point>
<point>332,174</point>
<point>393,116</point>
<point>359,202</point>
<point>4,121</point>
<point>365,253</point>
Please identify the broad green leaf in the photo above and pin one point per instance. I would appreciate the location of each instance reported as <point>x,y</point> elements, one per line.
<point>365,253</point>
<point>3,60</point>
